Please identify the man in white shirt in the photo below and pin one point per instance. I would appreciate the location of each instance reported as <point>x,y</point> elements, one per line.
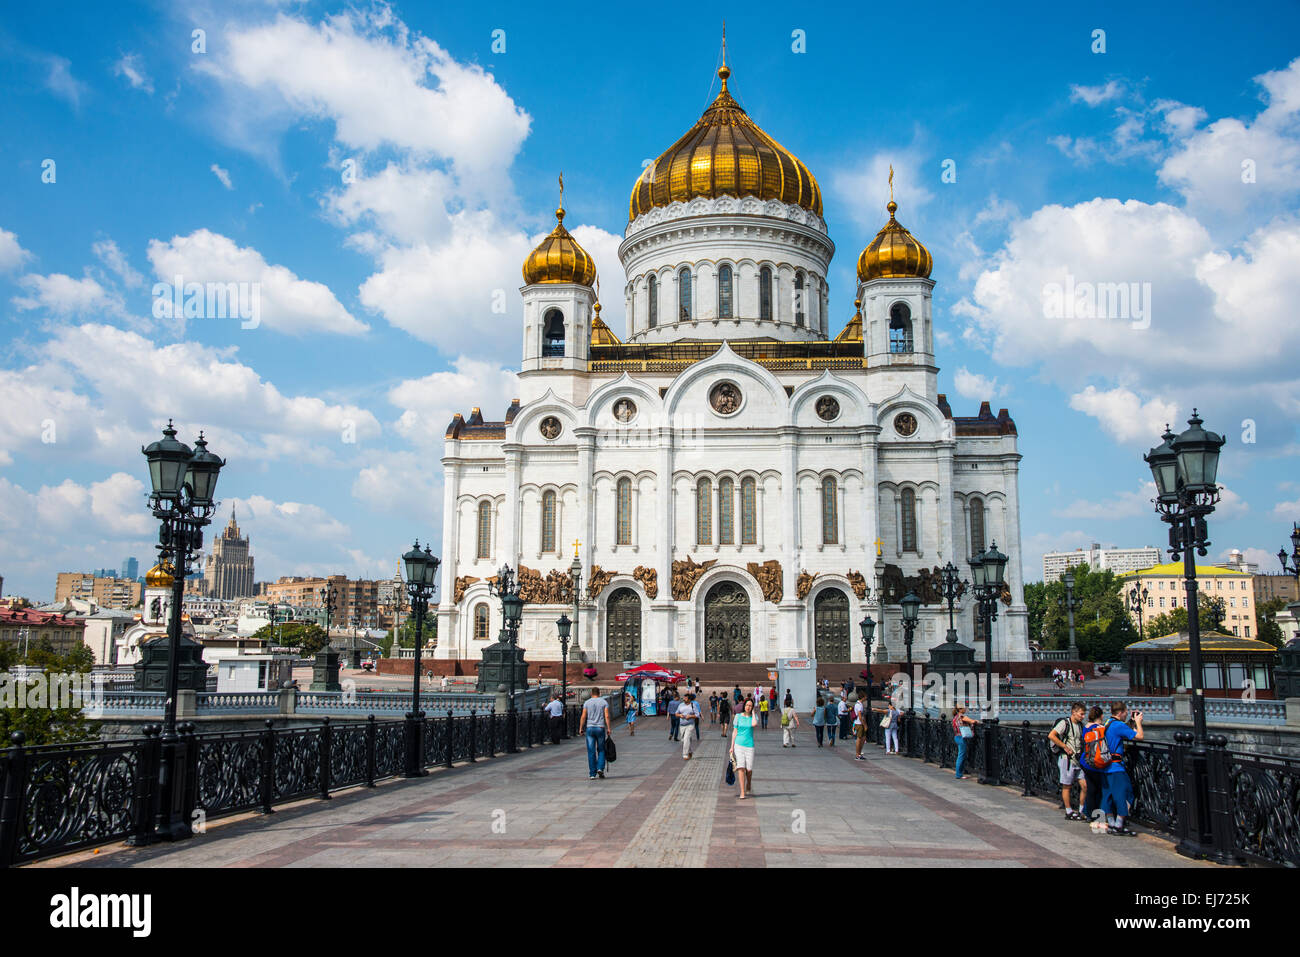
<point>688,712</point>
<point>555,712</point>
<point>859,727</point>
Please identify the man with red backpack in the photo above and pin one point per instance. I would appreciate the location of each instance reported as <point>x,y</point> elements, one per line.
<point>1093,731</point>
<point>1106,754</point>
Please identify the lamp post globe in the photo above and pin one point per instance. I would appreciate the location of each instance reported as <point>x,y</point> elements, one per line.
<point>1163,461</point>
<point>1198,457</point>
<point>169,460</point>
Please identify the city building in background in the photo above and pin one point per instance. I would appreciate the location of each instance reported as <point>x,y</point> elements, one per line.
<point>1117,560</point>
<point>1276,586</point>
<point>228,572</point>
<point>1237,563</point>
<point>1166,591</point>
<point>25,628</point>
<point>356,604</point>
<point>130,568</point>
<point>103,591</point>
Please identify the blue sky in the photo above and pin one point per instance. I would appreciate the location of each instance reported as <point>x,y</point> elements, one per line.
<point>1171,159</point>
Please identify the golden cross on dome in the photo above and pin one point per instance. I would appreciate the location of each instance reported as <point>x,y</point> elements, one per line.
<point>891,182</point>
<point>879,547</point>
<point>562,189</point>
<point>576,543</point>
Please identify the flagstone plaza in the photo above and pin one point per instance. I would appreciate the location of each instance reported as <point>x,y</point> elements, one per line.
<point>814,807</point>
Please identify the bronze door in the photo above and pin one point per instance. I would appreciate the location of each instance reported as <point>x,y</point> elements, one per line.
<point>726,623</point>
<point>623,626</point>
<point>831,627</point>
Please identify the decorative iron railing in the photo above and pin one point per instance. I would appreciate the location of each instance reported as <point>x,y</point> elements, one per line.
<point>60,798</point>
<point>1257,810</point>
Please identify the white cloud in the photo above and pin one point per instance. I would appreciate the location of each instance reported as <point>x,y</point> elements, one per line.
<point>62,83</point>
<point>1287,510</point>
<point>1124,414</point>
<point>863,189</point>
<point>407,204</point>
<point>1209,166</point>
<point>223,175</point>
<point>381,86</point>
<point>64,296</point>
<point>128,66</point>
<point>1123,505</point>
<point>107,252</point>
<point>408,484</point>
<point>12,255</point>
<point>428,403</point>
<point>1095,95</point>
<point>288,304</point>
<point>971,385</point>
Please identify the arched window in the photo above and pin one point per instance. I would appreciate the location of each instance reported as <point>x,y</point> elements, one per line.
<point>553,338</point>
<point>907,532</point>
<point>976,526</point>
<point>481,622</point>
<point>704,512</point>
<point>684,313</point>
<point>548,521</point>
<point>798,299</point>
<point>724,292</point>
<point>726,512</point>
<point>765,293</point>
<point>748,518</point>
<point>484,530</point>
<point>625,511</point>
<point>652,287</point>
<point>830,513</point>
<point>900,328</point>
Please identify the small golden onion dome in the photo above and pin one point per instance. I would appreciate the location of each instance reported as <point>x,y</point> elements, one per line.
<point>894,253</point>
<point>559,258</point>
<point>601,334</point>
<point>725,154</point>
<point>160,576</point>
<point>853,331</point>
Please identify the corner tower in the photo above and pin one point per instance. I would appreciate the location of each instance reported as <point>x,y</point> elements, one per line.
<point>558,299</point>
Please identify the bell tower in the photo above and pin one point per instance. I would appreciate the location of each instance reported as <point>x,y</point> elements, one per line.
<point>558,300</point>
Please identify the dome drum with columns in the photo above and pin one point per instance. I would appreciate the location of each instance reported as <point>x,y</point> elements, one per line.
<point>737,470</point>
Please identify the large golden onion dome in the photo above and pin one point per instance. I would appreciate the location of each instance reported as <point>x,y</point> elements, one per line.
<point>160,576</point>
<point>725,154</point>
<point>559,258</point>
<point>894,253</point>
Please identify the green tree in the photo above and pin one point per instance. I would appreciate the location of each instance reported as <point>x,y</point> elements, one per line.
<point>1265,617</point>
<point>48,725</point>
<point>307,636</point>
<point>1175,619</point>
<point>1101,624</point>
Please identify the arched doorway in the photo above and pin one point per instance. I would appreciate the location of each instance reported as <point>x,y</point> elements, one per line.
<point>726,623</point>
<point>831,632</point>
<point>623,626</point>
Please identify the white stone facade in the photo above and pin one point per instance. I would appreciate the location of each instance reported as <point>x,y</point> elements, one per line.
<point>523,491</point>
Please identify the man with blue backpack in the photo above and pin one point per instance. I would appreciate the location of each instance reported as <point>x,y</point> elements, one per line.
<point>1105,753</point>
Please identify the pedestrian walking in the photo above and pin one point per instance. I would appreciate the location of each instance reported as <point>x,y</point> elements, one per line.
<point>830,718</point>
<point>818,716</point>
<point>1117,789</point>
<point>771,699</point>
<point>963,732</point>
<point>789,721</point>
<point>843,714</point>
<point>892,721</point>
<point>789,699</point>
<point>555,717</point>
<point>688,715</point>
<point>742,749</point>
<point>859,728</point>
<point>713,707</point>
<point>1066,743</point>
<point>631,707</point>
<point>673,705</point>
<point>762,711</point>
<point>724,713</point>
<point>595,725</point>
<point>1093,730</point>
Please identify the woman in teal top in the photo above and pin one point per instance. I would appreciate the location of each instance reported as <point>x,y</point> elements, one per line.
<point>742,748</point>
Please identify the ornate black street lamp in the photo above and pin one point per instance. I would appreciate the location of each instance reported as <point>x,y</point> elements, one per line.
<point>183,482</point>
<point>1137,600</point>
<point>880,611</point>
<point>1071,605</point>
<point>1184,469</point>
<point>868,631</point>
<point>911,614</point>
<point>564,626</point>
<point>421,576</point>
<point>575,576</point>
<point>988,574</point>
<point>329,597</point>
<point>506,587</point>
<point>952,587</point>
<point>1294,567</point>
